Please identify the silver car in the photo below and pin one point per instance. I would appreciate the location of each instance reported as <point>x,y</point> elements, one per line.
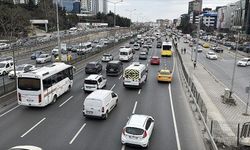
<point>43,58</point>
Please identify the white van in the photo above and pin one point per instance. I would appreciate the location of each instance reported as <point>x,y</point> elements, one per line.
<point>135,75</point>
<point>126,54</point>
<point>6,67</point>
<point>99,103</point>
<point>84,48</point>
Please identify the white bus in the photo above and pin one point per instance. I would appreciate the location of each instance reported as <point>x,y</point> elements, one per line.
<point>126,54</point>
<point>43,86</point>
<point>135,75</point>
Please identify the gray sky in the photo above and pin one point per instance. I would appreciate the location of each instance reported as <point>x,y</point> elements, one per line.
<point>158,9</point>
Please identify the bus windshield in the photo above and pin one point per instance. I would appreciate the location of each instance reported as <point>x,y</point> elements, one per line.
<point>30,84</point>
<point>166,47</point>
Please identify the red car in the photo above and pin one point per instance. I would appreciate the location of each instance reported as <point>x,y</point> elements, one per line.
<point>155,60</point>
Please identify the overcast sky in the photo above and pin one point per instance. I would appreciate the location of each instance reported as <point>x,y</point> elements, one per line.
<point>158,9</point>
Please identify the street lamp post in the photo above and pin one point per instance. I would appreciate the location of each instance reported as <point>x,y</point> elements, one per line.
<point>58,30</point>
<point>197,42</point>
<point>235,59</point>
<point>115,9</point>
<point>130,15</point>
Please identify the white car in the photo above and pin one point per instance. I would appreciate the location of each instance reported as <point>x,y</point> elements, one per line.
<point>138,130</point>
<point>94,82</point>
<point>107,57</point>
<point>43,58</point>
<point>211,55</point>
<point>25,147</point>
<point>6,67</point>
<point>21,69</point>
<point>4,45</point>
<point>244,62</point>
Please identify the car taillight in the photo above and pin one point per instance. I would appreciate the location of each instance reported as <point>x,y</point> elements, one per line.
<point>19,97</point>
<point>145,134</point>
<point>102,109</point>
<point>83,107</point>
<point>39,98</point>
<point>124,131</point>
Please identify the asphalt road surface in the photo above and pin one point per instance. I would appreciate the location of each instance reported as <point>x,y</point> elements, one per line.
<point>61,125</point>
<point>222,69</point>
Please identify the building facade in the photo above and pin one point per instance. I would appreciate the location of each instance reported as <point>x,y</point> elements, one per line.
<point>195,5</point>
<point>76,7</point>
<point>209,19</point>
<point>224,17</point>
<point>194,10</point>
<point>94,6</point>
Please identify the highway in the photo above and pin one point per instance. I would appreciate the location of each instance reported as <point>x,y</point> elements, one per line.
<point>222,69</point>
<point>62,125</point>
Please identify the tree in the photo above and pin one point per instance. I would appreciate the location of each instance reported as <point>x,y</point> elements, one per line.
<point>185,26</point>
<point>13,20</point>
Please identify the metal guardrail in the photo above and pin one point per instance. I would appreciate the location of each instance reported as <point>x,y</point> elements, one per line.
<point>194,96</point>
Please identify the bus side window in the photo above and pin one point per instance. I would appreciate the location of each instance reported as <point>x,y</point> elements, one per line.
<point>54,79</point>
<point>47,83</point>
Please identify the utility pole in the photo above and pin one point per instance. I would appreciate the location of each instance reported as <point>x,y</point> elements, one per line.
<point>58,32</point>
<point>197,42</point>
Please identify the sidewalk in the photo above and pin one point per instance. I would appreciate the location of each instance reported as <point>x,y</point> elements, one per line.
<point>225,117</point>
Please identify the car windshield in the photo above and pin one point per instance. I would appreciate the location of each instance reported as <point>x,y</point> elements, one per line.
<point>90,65</point>
<point>42,56</point>
<point>90,82</point>
<point>110,65</point>
<point>123,53</point>
<point>30,84</point>
<point>106,55</point>
<point>164,72</point>
<point>244,60</point>
<point>134,131</point>
<point>2,65</point>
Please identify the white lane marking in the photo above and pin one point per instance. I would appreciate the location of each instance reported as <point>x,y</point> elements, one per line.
<point>139,92</point>
<point>112,87</point>
<point>9,111</point>
<point>147,65</point>
<point>77,133</point>
<point>123,147</point>
<point>133,112</point>
<point>66,101</point>
<point>120,77</point>
<point>33,127</point>
<point>174,119</point>
<point>8,94</point>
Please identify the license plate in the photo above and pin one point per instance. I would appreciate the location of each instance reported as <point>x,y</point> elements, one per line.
<point>132,137</point>
<point>29,100</point>
<point>90,87</point>
<point>111,69</point>
<point>89,112</point>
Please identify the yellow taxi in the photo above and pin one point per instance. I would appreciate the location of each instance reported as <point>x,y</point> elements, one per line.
<point>164,75</point>
<point>206,45</point>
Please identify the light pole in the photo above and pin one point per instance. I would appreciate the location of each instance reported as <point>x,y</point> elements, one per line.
<point>115,9</point>
<point>235,59</point>
<point>197,42</point>
<point>58,30</point>
<point>130,16</point>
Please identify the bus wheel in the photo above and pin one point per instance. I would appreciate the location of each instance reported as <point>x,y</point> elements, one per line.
<point>54,99</point>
